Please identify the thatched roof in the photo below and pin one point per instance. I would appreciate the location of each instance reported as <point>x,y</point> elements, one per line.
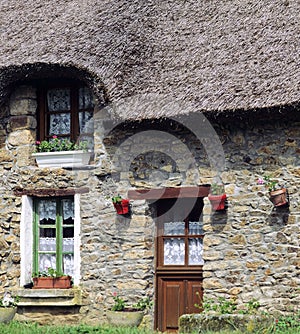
<point>214,56</point>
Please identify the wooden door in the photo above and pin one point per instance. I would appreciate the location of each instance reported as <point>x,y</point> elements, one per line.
<point>177,296</point>
<point>179,261</point>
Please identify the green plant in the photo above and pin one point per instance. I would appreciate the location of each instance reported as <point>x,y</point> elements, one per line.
<point>48,272</point>
<point>56,144</point>
<point>119,303</point>
<point>8,300</point>
<point>217,189</point>
<point>269,183</point>
<point>251,307</point>
<point>117,199</point>
<point>143,304</point>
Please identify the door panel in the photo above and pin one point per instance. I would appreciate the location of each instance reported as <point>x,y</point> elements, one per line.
<point>176,296</point>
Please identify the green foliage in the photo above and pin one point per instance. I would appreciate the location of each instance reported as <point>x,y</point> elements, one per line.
<point>251,307</point>
<point>48,272</point>
<point>143,304</point>
<point>8,300</point>
<point>119,303</point>
<point>287,323</point>
<point>56,144</point>
<point>217,189</point>
<point>117,199</point>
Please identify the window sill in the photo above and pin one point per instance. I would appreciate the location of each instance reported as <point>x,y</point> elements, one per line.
<point>49,297</point>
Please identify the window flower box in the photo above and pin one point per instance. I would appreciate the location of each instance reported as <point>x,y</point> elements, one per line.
<point>63,282</point>
<point>62,159</point>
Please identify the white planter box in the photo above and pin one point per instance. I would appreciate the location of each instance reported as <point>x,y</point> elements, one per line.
<point>62,159</point>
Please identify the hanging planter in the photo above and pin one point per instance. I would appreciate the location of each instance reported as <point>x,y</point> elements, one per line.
<point>121,205</point>
<point>278,194</point>
<point>217,197</point>
<point>279,197</point>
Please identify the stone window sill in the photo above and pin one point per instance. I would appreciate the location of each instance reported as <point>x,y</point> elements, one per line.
<point>49,297</point>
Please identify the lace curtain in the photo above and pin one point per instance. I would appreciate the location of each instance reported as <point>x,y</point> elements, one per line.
<point>174,248</point>
<point>47,239</point>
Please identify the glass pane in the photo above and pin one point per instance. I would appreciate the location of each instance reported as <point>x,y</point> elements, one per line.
<point>68,232</point>
<point>47,244</point>
<point>47,212</point>
<point>58,99</point>
<point>86,124</point>
<point>196,228</point>
<point>47,232</point>
<point>68,264</point>
<point>174,250</point>
<point>68,211</point>
<point>173,228</point>
<point>68,245</point>
<point>59,124</point>
<point>195,251</point>
<point>86,100</point>
<point>47,261</point>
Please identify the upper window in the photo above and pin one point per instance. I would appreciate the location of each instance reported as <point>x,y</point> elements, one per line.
<point>66,111</point>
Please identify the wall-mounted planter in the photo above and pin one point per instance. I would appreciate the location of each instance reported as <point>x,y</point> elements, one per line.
<point>122,207</point>
<point>62,159</point>
<point>217,201</point>
<point>279,197</point>
<point>63,282</point>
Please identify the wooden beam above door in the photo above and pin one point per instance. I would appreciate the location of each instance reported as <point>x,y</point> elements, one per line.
<point>176,192</point>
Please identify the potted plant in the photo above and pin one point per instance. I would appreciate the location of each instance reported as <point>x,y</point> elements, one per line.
<point>278,194</point>
<point>8,307</point>
<point>217,197</point>
<point>51,279</point>
<point>58,152</point>
<point>122,315</point>
<point>121,205</point>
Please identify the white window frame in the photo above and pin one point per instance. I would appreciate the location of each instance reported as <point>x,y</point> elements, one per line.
<point>26,240</point>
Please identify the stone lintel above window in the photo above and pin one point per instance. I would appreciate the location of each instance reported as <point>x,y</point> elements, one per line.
<point>45,192</point>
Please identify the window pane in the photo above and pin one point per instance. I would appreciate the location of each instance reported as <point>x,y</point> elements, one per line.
<point>47,212</point>
<point>174,250</point>
<point>173,228</point>
<point>58,99</point>
<point>196,228</point>
<point>195,251</point>
<point>68,211</point>
<point>59,124</point>
<point>47,244</point>
<point>68,264</point>
<point>86,100</point>
<point>68,245</point>
<point>47,261</point>
<point>86,122</point>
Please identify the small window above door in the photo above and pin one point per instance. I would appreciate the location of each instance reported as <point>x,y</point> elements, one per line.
<point>180,233</point>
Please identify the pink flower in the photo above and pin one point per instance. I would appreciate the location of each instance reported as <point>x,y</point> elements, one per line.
<point>37,142</point>
<point>115,294</point>
<point>54,137</point>
<point>260,181</point>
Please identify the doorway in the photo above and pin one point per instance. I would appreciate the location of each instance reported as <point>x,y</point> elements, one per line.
<point>179,260</point>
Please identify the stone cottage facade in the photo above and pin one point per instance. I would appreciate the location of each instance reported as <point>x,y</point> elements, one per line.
<point>162,128</point>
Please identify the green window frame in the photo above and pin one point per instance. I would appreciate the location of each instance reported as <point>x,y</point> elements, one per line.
<point>53,225</point>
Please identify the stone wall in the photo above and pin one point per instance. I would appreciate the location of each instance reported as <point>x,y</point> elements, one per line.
<point>250,251</point>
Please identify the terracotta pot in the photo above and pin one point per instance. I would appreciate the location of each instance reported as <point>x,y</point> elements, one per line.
<point>217,201</point>
<point>63,282</point>
<point>123,207</point>
<point>125,318</point>
<point>279,197</point>
<point>7,314</point>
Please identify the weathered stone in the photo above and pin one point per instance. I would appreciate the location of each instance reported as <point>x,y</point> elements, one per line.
<point>21,137</point>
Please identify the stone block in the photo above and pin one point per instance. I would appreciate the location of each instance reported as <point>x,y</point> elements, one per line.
<point>23,107</point>
<point>21,137</point>
<point>21,122</point>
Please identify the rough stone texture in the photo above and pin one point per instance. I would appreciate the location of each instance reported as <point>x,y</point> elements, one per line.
<point>251,250</point>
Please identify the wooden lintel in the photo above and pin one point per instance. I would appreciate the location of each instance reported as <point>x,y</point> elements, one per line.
<point>50,192</point>
<point>178,192</point>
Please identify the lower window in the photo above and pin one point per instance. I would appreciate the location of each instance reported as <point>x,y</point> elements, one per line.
<point>53,235</point>
<point>50,236</point>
